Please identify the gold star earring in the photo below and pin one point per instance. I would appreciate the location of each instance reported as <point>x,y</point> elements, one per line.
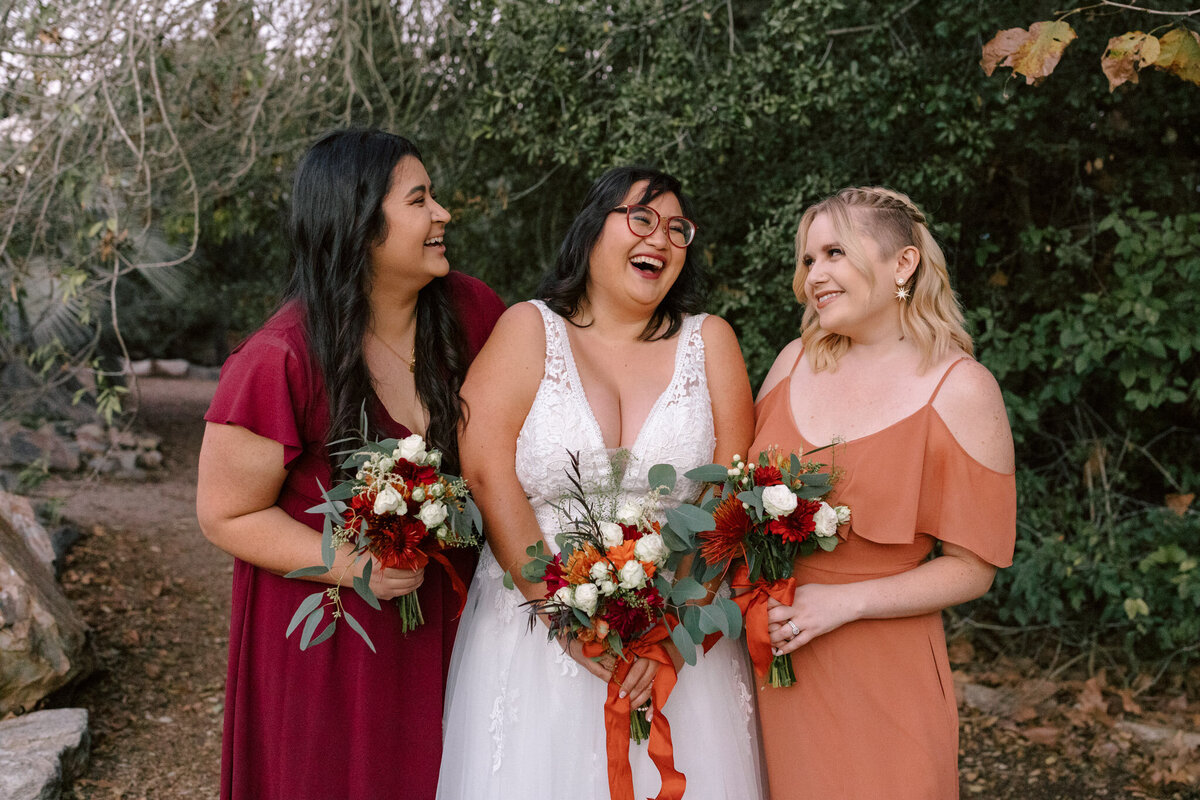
<point>901,291</point>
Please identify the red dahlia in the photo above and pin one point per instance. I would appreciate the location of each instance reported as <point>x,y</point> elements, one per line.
<point>797,526</point>
<point>767,476</point>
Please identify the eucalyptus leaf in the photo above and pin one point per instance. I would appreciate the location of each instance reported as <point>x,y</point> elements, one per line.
<point>752,498</point>
<point>476,517</point>
<point>363,587</point>
<point>343,491</point>
<point>709,473</point>
<point>614,642</point>
<point>327,551</point>
<point>662,475</point>
<point>827,543</point>
<point>733,616</point>
<point>687,588</point>
<point>353,623</point>
<point>582,617</point>
<point>325,634</point>
<point>712,619</point>
<point>690,617</point>
<point>673,540</point>
<point>684,644</point>
<point>689,518</point>
<point>304,572</point>
<point>508,580</point>
<point>533,571</point>
<point>310,627</point>
<point>306,607</point>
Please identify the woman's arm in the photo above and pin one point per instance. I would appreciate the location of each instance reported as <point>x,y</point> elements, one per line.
<point>498,393</point>
<point>971,404</point>
<point>240,477</point>
<point>729,388</point>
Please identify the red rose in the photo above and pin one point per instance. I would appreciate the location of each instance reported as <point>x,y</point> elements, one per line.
<point>767,476</point>
<point>414,474</point>
<point>554,577</point>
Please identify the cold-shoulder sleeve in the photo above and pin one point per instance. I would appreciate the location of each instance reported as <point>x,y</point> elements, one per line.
<point>266,387</point>
<point>965,503</point>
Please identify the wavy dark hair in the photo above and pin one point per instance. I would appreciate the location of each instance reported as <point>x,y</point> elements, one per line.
<point>336,217</point>
<point>564,287</point>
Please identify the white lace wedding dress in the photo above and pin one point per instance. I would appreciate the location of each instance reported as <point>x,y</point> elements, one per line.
<point>524,720</point>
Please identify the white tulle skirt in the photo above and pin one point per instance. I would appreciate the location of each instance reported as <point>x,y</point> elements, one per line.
<point>524,720</point>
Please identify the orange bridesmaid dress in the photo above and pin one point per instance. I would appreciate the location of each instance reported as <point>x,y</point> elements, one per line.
<point>873,713</point>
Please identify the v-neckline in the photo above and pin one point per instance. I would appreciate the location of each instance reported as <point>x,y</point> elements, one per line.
<point>573,375</point>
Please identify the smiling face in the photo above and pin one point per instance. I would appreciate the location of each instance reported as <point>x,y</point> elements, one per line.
<point>411,251</point>
<point>629,269</point>
<point>849,279</point>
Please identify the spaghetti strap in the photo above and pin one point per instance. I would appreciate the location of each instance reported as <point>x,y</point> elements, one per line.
<point>796,363</point>
<point>945,375</point>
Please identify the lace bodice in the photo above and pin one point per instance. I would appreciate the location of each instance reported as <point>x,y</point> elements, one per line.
<point>677,431</point>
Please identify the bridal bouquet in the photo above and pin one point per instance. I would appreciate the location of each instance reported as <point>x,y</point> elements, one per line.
<point>606,587</point>
<point>397,510</point>
<point>764,516</point>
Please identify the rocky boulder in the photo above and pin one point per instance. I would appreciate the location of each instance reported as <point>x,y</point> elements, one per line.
<point>43,641</point>
<point>41,753</point>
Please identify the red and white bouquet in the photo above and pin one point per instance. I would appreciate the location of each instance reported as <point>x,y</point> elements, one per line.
<point>606,588</point>
<point>765,516</point>
<point>397,510</point>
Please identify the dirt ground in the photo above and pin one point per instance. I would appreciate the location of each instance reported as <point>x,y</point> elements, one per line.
<point>156,595</point>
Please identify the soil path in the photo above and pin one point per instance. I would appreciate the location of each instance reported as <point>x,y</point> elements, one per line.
<point>156,594</point>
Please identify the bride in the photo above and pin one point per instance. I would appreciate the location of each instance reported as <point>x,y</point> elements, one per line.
<point>611,358</point>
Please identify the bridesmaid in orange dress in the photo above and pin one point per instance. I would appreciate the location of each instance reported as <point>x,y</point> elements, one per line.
<point>884,370</point>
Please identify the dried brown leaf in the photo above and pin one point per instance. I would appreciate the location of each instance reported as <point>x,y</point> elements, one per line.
<point>1126,54</point>
<point>1045,734</point>
<point>1040,54</point>
<point>1180,54</point>
<point>1180,503</point>
<point>1002,45</point>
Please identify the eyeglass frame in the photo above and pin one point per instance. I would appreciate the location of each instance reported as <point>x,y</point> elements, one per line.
<point>627,206</point>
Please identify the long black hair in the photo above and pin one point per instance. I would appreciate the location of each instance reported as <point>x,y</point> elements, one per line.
<point>336,217</point>
<point>564,287</point>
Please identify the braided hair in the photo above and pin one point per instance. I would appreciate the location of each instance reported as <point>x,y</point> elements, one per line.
<point>931,315</point>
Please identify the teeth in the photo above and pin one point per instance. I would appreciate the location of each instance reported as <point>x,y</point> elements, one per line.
<point>434,240</point>
<point>650,261</point>
<point>826,295</point>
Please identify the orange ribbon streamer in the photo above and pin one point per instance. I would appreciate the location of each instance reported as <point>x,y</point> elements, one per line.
<point>754,610</point>
<point>459,587</point>
<point>617,711</point>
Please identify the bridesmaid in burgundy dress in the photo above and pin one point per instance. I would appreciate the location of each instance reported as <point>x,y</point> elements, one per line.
<point>373,318</point>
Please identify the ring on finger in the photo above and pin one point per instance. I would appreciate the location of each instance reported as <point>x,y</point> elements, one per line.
<point>795,630</point>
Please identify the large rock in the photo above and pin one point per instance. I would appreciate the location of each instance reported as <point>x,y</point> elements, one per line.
<point>43,641</point>
<point>41,753</point>
<point>18,513</point>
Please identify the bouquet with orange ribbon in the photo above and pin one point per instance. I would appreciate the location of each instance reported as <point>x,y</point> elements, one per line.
<point>606,587</point>
<point>397,510</point>
<point>763,517</point>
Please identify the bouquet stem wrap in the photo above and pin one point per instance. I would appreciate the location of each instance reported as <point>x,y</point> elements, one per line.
<point>617,711</point>
<point>753,603</point>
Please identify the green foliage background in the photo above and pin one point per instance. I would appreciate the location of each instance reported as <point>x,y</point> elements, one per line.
<point>1068,213</point>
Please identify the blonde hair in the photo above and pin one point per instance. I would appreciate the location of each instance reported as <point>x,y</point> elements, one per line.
<point>931,316</point>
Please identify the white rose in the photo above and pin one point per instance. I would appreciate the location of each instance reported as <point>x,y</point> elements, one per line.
<point>437,490</point>
<point>418,494</point>
<point>632,575</point>
<point>778,500</point>
<point>599,571</point>
<point>825,520</point>
<point>411,448</point>
<point>385,464</point>
<point>606,587</point>
<point>433,514</point>
<point>843,514</point>
<point>587,595</point>
<point>652,548</point>
<point>565,595</point>
<point>629,513</point>
<point>611,534</point>
<point>434,458</point>
<point>389,501</point>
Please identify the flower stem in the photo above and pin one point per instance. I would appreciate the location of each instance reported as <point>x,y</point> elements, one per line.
<point>410,612</point>
<point>781,673</point>
<point>639,726</point>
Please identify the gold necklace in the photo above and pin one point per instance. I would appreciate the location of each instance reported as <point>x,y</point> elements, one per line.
<point>411,360</point>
